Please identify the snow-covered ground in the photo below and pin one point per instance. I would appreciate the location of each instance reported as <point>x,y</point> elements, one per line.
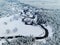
<point>12,25</point>
<point>47,4</point>
<point>50,4</point>
<point>17,27</point>
<point>22,29</point>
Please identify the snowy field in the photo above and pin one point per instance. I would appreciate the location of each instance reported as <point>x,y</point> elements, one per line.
<point>47,4</point>
<point>12,25</point>
<point>50,4</point>
<point>19,27</point>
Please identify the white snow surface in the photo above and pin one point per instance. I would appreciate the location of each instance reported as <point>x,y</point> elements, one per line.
<point>22,29</point>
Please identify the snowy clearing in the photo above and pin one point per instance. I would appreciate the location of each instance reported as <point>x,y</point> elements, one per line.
<point>8,23</point>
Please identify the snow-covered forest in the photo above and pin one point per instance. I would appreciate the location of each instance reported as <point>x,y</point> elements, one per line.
<point>15,13</point>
